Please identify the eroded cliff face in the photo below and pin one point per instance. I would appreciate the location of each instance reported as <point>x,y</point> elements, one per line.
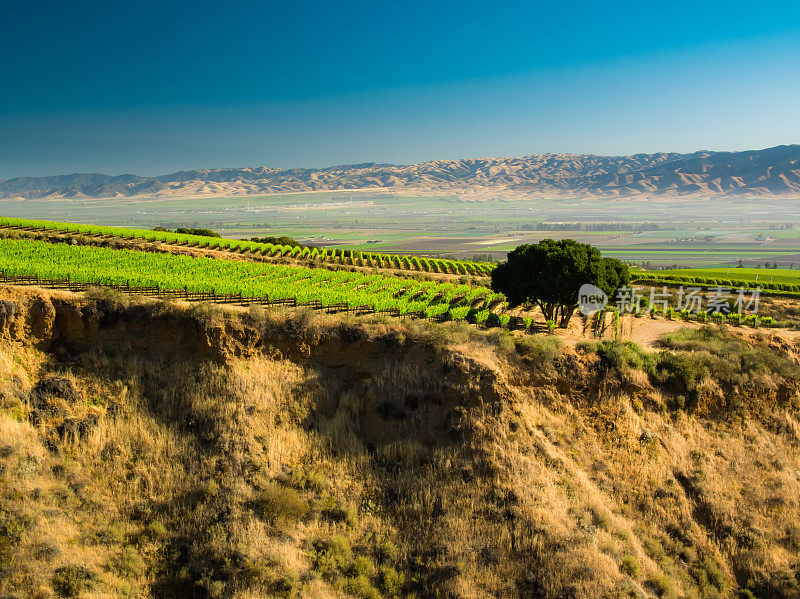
<point>149,449</point>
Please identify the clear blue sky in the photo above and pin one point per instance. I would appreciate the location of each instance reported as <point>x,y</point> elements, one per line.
<point>155,87</point>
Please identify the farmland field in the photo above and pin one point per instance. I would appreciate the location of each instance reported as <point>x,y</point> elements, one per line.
<point>342,256</point>
<point>655,232</point>
<point>251,279</point>
<point>745,275</point>
<point>774,280</point>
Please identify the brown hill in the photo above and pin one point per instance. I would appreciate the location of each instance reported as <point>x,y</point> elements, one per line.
<point>768,172</point>
<point>150,450</point>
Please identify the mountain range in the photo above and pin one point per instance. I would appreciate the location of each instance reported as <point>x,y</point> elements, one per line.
<point>769,172</point>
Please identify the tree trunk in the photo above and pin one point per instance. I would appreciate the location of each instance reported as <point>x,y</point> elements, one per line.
<point>566,314</point>
<point>547,310</point>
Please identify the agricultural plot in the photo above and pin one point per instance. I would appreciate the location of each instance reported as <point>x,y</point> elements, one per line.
<point>336,256</point>
<point>250,279</point>
<point>773,280</point>
<point>657,232</point>
<point>742,275</point>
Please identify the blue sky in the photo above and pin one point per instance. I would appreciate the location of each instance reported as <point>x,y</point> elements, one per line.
<point>155,87</point>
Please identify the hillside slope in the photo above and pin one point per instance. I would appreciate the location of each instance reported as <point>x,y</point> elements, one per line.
<point>767,172</point>
<point>147,450</point>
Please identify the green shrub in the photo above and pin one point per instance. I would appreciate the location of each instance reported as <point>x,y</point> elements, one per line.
<point>626,356</point>
<point>630,565</point>
<point>278,504</point>
<point>662,585</point>
<point>113,534</point>
<point>683,373</point>
<point>12,530</point>
<point>360,586</point>
<point>209,488</point>
<point>128,563</point>
<point>70,580</point>
<point>156,530</point>
<point>543,349</point>
<point>285,586</point>
<point>727,357</point>
<point>654,549</point>
<point>387,552</point>
<point>332,557</point>
<point>342,513</point>
<point>391,581</point>
<point>792,540</point>
<point>708,572</point>
<point>361,566</point>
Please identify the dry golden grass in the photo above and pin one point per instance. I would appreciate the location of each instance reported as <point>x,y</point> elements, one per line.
<point>177,457</point>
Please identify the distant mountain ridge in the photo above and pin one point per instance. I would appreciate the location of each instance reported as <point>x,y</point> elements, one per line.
<point>768,172</point>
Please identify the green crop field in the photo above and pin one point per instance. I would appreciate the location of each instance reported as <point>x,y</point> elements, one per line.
<point>251,279</point>
<point>744,275</point>
<point>351,257</point>
<point>778,279</point>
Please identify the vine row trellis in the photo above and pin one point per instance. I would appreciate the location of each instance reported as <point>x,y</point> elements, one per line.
<point>199,296</point>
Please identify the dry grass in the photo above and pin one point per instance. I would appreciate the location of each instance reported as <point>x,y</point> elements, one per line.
<point>335,459</point>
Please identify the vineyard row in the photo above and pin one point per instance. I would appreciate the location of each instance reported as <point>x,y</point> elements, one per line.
<point>206,278</point>
<point>333,256</point>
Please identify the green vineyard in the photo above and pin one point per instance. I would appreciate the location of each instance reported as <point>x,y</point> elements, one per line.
<point>250,279</point>
<point>334,256</point>
<point>775,282</point>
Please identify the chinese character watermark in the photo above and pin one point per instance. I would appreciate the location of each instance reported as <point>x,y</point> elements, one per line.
<point>723,300</point>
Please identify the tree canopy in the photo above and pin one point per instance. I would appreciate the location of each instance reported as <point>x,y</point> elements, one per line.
<point>550,273</point>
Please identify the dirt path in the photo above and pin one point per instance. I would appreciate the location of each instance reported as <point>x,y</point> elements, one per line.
<point>646,331</point>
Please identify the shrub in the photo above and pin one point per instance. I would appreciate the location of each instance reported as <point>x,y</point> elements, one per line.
<point>332,557</point>
<point>361,566</point>
<point>128,563</point>
<point>387,552</point>
<point>200,232</point>
<point>342,513</point>
<point>662,585</point>
<point>654,549</point>
<point>279,504</point>
<point>391,581</point>
<point>683,373</point>
<point>70,580</point>
<point>540,348</point>
<point>156,530</point>
<point>113,534</point>
<point>630,565</point>
<point>792,539</point>
<point>626,356</point>
<point>707,573</point>
<point>360,586</point>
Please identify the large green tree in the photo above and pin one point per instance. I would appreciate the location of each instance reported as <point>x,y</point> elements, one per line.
<point>550,273</point>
